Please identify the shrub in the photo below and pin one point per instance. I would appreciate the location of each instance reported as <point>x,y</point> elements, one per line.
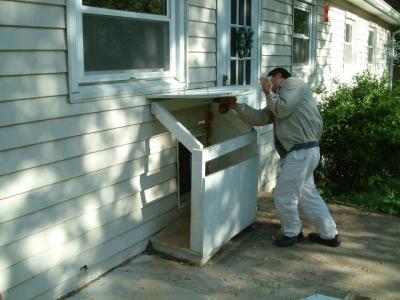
<point>360,144</point>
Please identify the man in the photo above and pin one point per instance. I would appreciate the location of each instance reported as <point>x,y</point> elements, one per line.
<point>297,129</point>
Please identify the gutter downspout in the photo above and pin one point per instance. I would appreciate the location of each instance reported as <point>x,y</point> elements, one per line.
<point>392,57</point>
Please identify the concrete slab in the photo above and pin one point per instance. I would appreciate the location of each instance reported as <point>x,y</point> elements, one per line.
<point>251,267</point>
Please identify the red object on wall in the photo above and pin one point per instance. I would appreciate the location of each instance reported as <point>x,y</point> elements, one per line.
<point>326,12</point>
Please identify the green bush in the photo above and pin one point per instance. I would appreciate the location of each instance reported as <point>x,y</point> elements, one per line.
<point>360,144</point>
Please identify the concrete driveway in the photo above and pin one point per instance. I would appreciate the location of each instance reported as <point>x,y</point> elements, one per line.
<point>251,267</point>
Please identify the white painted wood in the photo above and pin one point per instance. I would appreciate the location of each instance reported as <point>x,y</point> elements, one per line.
<point>181,132</point>
<point>275,61</point>
<point>201,75</point>
<point>31,15</point>
<point>51,2</point>
<point>272,38</point>
<point>199,44</point>
<point>276,17</point>
<point>277,50</point>
<point>277,6</point>
<point>23,87</point>
<point>220,149</point>
<point>38,109</point>
<point>30,179</point>
<point>14,38</point>
<point>51,246</point>
<point>197,201</point>
<point>50,130</point>
<point>32,62</point>
<point>44,153</point>
<point>276,28</point>
<point>22,227</point>
<point>74,258</point>
<point>197,29</point>
<point>148,228</point>
<point>41,198</point>
<point>211,4</point>
<point>199,59</point>
<point>202,14</point>
<point>229,203</point>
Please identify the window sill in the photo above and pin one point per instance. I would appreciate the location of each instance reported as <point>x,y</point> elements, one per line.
<point>103,91</point>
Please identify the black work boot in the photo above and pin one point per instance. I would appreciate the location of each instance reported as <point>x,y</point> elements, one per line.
<point>334,242</point>
<point>286,241</point>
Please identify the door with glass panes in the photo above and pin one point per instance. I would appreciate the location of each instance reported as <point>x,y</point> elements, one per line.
<point>238,42</point>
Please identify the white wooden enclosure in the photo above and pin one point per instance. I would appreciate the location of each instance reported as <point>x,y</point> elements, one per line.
<point>224,175</point>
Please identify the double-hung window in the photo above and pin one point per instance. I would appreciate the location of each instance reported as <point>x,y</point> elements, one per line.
<point>116,47</point>
<point>349,42</point>
<point>303,35</point>
<point>371,46</point>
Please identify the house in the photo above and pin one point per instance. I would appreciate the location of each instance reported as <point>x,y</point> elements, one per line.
<point>87,173</point>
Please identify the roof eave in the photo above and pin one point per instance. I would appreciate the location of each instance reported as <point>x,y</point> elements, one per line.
<point>380,9</point>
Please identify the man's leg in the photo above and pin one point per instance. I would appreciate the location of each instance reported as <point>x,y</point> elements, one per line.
<point>294,172</point>
<point>316,210</point>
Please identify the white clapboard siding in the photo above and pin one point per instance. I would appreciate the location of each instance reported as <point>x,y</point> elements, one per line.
<point>44,153</point>
<point>202,44</point>
<point>27,225</point>
<point>276,50</point>
<point>38,199</point>
<point>32,62</point>
<point>275,61</point>
<point>278,6</point>
<point>51,2</point>
<point>24,181</point>
<point>21,38</point>
<point>199,44</point>
<point>198,59</point>
<point>276,28</point>
<point>30,86</point>
<point>201,14</point>
<point>202,75</point>
<point>38,109</point>
<point>210,4</point>
<point>100,219</point>
<point>32,15</point>
<point>48,130</point>
<point>277,17</point>
<point>92,256</point>
<point>126,239</point>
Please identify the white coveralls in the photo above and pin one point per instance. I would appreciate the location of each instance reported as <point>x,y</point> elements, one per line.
<point>296,120</point>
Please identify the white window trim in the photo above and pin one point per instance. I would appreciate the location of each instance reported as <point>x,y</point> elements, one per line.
<point>310,66</point>
<point>223,42</point>
<point>83,87</point>
<point>374,41</point>
<point>353,39</point>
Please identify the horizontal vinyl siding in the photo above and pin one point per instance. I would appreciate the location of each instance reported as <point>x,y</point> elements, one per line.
<point>330,46</point>
<point>202,35</point>
<point>80,184</point>
<point>276,51</point>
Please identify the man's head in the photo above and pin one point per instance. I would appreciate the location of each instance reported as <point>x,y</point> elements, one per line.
<point>278,75</point>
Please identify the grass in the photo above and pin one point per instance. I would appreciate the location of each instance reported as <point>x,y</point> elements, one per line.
<point>384,199</point>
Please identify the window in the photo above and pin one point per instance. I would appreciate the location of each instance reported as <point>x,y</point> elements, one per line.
<point>349,42</point>
<point>241,24</point>
<point>123,41</point>
<point>237,42</point>
<point>371,45</point>
<point>302,34</point>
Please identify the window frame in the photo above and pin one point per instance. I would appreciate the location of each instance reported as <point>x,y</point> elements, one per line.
<point>309,7</point>
<point>353,41</point>
<point>373,46</point>
<point>85,86</point>
<point>224,43</point>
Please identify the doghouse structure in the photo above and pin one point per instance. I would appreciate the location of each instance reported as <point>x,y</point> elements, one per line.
<point>217,174</point>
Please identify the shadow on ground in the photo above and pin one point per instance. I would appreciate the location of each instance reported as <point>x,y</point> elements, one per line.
<point>251,267</point>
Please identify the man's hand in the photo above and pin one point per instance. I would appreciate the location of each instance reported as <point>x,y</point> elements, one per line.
<point>229,101</point>
<point>266,85</point>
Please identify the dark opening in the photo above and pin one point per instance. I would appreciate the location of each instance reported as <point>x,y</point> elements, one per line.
<point>185,170</point>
